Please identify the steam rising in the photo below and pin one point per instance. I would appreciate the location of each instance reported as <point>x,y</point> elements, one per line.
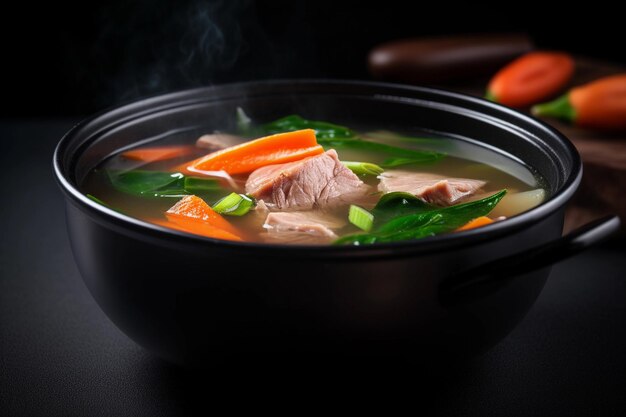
<point>161,46</point>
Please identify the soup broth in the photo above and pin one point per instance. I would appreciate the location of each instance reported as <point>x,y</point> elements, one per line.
<point>365,186</point>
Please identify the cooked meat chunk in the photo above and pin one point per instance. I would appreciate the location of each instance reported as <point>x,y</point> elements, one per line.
<point>304,226</point>
<point>432,188</point>
<point>320,181</point>
<point>261,209</point>
<point>218,141</point>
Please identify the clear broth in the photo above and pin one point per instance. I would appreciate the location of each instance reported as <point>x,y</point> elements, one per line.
<point>464,159</point>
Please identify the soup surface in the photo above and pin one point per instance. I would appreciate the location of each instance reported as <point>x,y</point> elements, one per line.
<point>297,181</point>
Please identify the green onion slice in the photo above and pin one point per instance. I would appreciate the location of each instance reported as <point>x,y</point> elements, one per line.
<point>366,168</point>
<point>234,205</point>
<point>361,218</point>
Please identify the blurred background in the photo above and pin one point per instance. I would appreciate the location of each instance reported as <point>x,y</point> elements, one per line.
<point>70,59</point>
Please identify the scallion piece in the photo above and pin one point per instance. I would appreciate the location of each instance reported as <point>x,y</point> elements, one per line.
<point>366,168</point>
<point>361,218</point>
<point>234,205</point>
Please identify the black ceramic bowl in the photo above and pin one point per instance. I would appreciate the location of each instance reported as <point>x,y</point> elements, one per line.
<point>457,293</point>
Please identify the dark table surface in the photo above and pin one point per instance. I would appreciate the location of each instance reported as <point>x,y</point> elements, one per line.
<point>60,355</point>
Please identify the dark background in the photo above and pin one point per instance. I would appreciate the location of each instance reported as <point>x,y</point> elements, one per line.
<point>60,355</point>
<point>74,58</point>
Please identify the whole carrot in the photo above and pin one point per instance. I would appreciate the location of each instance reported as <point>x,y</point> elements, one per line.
<point>600,104</point>
<point>531,78</point>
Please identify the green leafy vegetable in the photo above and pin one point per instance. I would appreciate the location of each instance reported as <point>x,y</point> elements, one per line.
<point>195,185</point>
<point>148,183</point>
<point>425,221</point>
<point>323,130</point>
<point>361,218</point>
<point>381,149</point>
<point>397,204</point>
<point>161,184</point>
<point>234,205</point>
<point>363,168</point>
<point>332,136</point>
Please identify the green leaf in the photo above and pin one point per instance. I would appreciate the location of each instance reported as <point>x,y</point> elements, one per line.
<point>361,218</point>
<point>363,168</point>
<point>426,221</point>
<point>161,184</point>
<point>381,149</point>
<point>148,183</point>
<point>195,185</point>
<point>323,130</point>
<point>396,204</point>
<point>332,136</point>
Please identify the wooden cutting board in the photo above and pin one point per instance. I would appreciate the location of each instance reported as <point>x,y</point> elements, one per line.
<point>603,155</point>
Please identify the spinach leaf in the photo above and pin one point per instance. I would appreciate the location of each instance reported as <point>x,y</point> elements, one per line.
<point>409,156</point>
<point>397,204</point>
<point>423,222</point>
<point>196,185</point>
<point>160,184</point>
<point>332,136</point>
<point>323,130</point>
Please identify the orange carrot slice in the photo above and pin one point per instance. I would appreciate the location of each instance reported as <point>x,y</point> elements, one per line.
<point>196,227</point>
<point>195,216</point>
<point>477,222</point>
<point>160,153</point>
<point>269,150</point>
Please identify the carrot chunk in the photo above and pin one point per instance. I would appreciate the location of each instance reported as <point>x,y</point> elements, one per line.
<point>268,150</point>
<point>478,222</point>
<point>196,227</point>
<point>160,153</point>
<point>191,214</point>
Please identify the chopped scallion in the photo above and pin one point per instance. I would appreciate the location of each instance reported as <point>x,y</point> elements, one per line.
<point>234,205</point>
<point>366,168</point>
<point>361,218</point>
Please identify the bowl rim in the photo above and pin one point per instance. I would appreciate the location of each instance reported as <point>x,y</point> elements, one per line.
<point>402,248</point>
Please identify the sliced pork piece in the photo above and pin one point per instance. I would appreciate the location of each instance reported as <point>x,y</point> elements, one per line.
<point>320,181</point>
<point>260,209</point>
<point>305,227</point>
<point>432,188</point>
<point>218,141</point>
